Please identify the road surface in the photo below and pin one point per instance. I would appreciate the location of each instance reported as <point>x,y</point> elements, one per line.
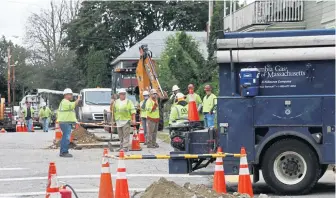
<point>25,159</point>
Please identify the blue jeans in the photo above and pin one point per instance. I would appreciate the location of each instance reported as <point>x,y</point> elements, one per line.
<point>30,125</point>
<point>45,124</point>
<point>66,133</point>
<point>144,126</point>
<point>209,120</point>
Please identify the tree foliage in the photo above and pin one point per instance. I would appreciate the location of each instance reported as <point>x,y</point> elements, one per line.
<point>111,27</point>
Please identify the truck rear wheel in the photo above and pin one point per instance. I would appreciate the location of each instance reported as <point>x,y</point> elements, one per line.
<point>290,167</point>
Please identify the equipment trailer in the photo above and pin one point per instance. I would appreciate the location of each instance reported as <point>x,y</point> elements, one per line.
<point>277,99</point>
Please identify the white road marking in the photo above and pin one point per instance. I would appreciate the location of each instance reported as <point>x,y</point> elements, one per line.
<point>93,190</point>
<point>98,176</point>
<point>10,169</point>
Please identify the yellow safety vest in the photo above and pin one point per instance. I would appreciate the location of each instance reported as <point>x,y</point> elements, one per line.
<point>149,107</point>
<point>66,112</point>
<point>123,112</point>
<point>209,102</point>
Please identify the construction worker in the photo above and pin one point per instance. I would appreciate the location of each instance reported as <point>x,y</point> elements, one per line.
<point>45,114</point>
<point>66,117</point>
<point>209,106</point>
<point>28,113</point>
<point>172,98</point>
<point>197,98</point>
<point>179,112</point>
<point>114,97</point>
<point>143,113</point>
<point>124,113</point>
<point>153,119</point>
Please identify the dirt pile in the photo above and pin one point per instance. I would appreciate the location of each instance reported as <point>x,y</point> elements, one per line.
<point>80,136</point>
<point>169,189</point>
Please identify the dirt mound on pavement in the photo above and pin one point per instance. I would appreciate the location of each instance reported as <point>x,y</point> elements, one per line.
<point>80,136</point>
<point>169,189</point>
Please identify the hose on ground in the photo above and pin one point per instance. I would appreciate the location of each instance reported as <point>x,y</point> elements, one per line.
<point>74,192</point>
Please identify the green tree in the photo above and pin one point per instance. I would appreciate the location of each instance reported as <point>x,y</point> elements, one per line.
<point>181,62</point>
<point>114,26</point>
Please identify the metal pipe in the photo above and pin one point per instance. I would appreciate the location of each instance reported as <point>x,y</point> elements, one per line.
<point>233,76</point>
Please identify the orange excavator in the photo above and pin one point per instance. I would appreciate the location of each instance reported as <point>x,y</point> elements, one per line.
<point>146,79</point>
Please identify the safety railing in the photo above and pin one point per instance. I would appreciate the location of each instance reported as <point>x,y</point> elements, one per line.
<point>265,12</point>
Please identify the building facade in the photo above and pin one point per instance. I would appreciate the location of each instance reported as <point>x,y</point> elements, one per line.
<point>268,15</point>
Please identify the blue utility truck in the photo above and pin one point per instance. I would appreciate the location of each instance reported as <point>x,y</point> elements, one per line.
<point>276,99</point>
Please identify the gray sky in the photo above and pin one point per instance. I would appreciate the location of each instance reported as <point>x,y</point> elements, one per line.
<point>14,13</point>
<point>13,16</point>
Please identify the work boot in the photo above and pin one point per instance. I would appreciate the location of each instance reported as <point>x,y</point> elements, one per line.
<point>65,155</point>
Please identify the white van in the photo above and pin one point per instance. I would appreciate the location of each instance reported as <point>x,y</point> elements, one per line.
<point>94,102</point>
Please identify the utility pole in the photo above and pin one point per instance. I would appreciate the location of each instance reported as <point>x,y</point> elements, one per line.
<point>13,82</point>
<point>9,77</point>
<point>210,16</point>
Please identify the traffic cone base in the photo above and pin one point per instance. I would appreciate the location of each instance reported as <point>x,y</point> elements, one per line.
<point>3,130</point>
<point>244,181</point>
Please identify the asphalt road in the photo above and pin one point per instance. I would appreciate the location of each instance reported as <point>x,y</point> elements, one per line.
<point>24,160</point>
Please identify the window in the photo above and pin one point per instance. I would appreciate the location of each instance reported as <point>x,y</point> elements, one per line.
<point>98,97</point>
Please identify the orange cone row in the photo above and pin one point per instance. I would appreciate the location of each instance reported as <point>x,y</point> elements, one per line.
<point>244,181</point>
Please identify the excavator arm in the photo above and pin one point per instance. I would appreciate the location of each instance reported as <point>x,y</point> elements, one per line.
<point>146,73</point>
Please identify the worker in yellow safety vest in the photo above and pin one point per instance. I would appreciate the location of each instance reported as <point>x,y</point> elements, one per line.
<point>175,90</point>
<point>45,115</point>
<point>143,113</point>
<point>209,106</point>
<point>66,117</point>
<point>124,116</point>
<point>153,119</point>
<point>197,99</point>
<point>179,112</point>
<point>28,114</point>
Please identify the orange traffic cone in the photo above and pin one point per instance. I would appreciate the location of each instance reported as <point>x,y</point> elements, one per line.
<point>53,185</point>
<point>18,126</point>
<point>192,108</point>
<point>25,128</point>
<point>121,183</point>
<point>105,187</point>
<point>219,184</point>
<point>58,132</point>
<point>3,130</point>
<point>135,141</point>
<point>142,138</point>
<point>244,184</point>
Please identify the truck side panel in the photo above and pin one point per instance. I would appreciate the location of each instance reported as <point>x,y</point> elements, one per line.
<point>299,112</point>
<point>238,114</point>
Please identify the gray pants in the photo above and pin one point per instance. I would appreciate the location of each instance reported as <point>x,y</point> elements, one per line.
<point>124,135</point>
<point>152,131</point>
<point>144,126</point>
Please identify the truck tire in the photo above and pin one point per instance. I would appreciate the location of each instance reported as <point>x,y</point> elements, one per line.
<point>290,167</point>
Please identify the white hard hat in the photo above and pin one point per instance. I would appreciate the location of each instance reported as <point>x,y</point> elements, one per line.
<point>67,91</point>
<point>145,93</point>
<point>122,91</point>
<point>43,104</point>
<point>175,88</point>
<point>153,91</point>
<point>179,95</point>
